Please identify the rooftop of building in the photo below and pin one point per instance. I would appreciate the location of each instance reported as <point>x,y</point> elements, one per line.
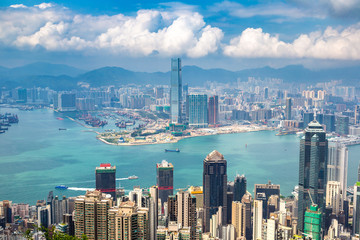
<point>104,166</point>
<point>314,126</point>
<point>214,156</point>
<point>164,164</point>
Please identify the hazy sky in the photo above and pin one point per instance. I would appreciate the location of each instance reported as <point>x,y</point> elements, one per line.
<point>144,35</point>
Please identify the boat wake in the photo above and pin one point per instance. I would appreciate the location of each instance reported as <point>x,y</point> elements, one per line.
<point>121,179</point>
<point>80,189</point>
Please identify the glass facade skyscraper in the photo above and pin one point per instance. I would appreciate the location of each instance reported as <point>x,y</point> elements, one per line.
<point>176,91</point>
<point>106,179</point>
<point>213,110</point>
<point>214,187</point>
<point>165,180</point>
<point>312,169</point>
<point>198,114</point>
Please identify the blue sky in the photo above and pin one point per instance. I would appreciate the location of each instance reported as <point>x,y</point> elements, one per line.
<point>144,35</point>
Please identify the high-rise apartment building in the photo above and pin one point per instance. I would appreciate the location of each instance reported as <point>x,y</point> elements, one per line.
<point>214,187</point>
<point>176,91</point>
<point>238,218</point>
<point>312,169</point>
<point>213,110</point>
<point>91,215</point>
<point>153,211</point>
<point>198,110</point>
<point>165,180</point>
<point>288,109</point>
<point>264,192</point>
<point>105,176</point>
<point>128,222</point>
<point>185,211</point>
<point>67,102</point>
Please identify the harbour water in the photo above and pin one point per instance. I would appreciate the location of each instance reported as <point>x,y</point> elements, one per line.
<point>35,157</point>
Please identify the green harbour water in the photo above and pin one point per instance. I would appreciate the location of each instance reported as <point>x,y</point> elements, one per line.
<point>35,157</point>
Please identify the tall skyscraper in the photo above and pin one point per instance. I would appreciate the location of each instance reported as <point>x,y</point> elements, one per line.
<point>329,122</point>
<point>356,213</point>
<point>165,180</point>
<point>238,218</point>
<point>257,220</point>
<point>264,192</point>
<point>337,165</point>
<point>153,211</point>
<point>214,187</point>
<point>91,215</point>
<point>288,109</point>
<point>239,187</point>
<point>307,118</point>
<point>312,169</point>
<point>176,91</point>
<point>198,110</point>
<point>186,211</point>
<point>106,179</point>
<point>342,125</point>
<point>213,110</point>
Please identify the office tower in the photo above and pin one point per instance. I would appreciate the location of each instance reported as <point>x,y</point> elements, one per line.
<point>257,220</point>
<point>186,211</point>
<point>263,192</point>
<point>44,216</point>
<point>266,93</point>
<point>106,179</point>
<point>214,185</point>
<point>66,102</point>
<point>238,218</point>
<point>356,209</point>
<point>164,177</point>
<point>312,169</point>
<point>239,187</point>
<point>329,122</point>
<point>288,109</point>
<point>337,165</point>
<point>312,222</point>
<point>307,118</point>
<point>342,125</point>
<point>320,118</point>
<point>198,110</point>
<point>128,222</point>
<point>356,118</point>
<point>153,211</point>
<point>49,202</point>
<point>213,110</point>
<point>91,215</point>
<point>176,91</point>
<point>6,207</point>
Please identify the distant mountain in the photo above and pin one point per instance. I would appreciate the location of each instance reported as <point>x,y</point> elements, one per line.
<point>41,68</point>
<point>62,77</point>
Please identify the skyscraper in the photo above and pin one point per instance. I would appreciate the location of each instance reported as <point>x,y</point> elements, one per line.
<point>238,218</point>
<point>176,91</point>
<point>337,165</point>
<point>198,110</point>
<point>106,179</point>
<point>186,211</point>
<point>308,117</point>
<point>239,187</point>
<point>288,109</point>
<point>91,215</point>
<point>264,192</point>
<point>312,169</point>
<point>214,187</point>
<point>356,214</point>
<point>312,222</point>
<point>329,122</point>
<point>342,125</point>
<point>213,110</point>
<point>257,220</point>
<point>153,211</point>
<point>165,176</point>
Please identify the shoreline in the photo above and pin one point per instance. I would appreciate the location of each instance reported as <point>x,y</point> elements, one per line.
<point>198,133</point>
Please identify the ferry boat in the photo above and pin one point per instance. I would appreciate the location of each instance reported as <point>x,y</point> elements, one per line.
<point>172,150</point>
<point>132,177</point>
<point>62,129</point>
<point>61,187</point>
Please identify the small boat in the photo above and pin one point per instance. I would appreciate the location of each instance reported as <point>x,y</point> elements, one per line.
<point>172,150</point>
<point>62,129</point>
<point>61,187</point>
<point>132,177</point>
<point>59,118</point>
<point>2,131</point>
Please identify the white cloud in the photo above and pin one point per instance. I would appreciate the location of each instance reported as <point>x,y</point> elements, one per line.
<point>331,44</point>
<point>18,6</point>
<point>166,33</point>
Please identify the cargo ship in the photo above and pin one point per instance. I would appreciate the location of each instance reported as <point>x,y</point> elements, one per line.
<point>172,150</point>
